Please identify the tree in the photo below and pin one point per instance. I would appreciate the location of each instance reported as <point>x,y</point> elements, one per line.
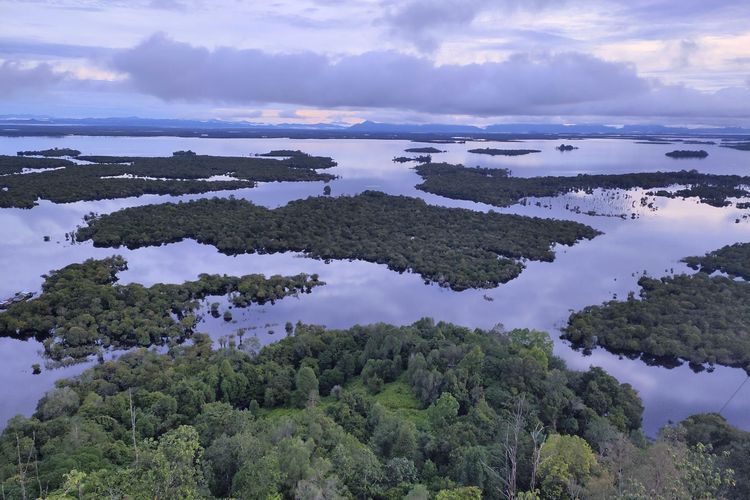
<point>307,387</point>
<point>566,464</point>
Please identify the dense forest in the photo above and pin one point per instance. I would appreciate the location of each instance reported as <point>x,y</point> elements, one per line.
<point>300,159</point>
<point>16,164</point>
<point>697,318</point>
<point>422,411</point>
<point>499,187</point>
<point>453,247</point>
<point>503,152</point>
<point>174,175</point>
<point>733,260</point>
<point>82,309</point>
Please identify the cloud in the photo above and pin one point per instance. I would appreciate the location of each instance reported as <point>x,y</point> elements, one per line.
<point>16,78</point>
<point>177,71</point>
<point>423,22</point>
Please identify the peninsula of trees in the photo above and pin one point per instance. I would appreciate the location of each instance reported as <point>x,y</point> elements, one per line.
<point>16,164</point>
<point>733,260</point>
<point>699,318</point>
<point>82,309</point>
<point>53,152</point>
<point>453,247</point>
<point>175,175</point>
<point>498,187</point>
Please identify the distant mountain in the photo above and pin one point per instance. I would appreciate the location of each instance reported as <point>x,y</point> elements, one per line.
<point>427,128</point>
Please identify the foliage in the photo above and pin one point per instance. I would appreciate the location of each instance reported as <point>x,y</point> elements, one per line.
<point>16,164</point>
<point>175,175</point>
<point>82,308</point>
<point>225,423</point>
<point>453,247</point>
<point>498,187</point>
<point>733,260</point>
<point>695,317</point>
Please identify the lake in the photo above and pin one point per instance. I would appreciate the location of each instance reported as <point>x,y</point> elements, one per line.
<point>360,292</point>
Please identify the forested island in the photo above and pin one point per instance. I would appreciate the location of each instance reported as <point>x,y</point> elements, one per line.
<point>427,150</point>
<point>83,310</point>
<point>297,158</point>
<point>699,318</point>
<point>418,159</point>
<point>684,153</point>
<point>53,152</point>
<point>422,411</point>
<point>496,186</point>
<point>453,247</point>
<point>503,152</point>
<point>175,175</point>
<point>566,147</point>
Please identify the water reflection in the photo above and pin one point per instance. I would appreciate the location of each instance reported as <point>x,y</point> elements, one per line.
<point>359,292</point>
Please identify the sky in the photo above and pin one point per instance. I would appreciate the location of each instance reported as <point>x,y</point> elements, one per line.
<point>681,62</point>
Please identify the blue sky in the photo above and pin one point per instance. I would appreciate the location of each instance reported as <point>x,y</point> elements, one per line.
<point>453,61</point>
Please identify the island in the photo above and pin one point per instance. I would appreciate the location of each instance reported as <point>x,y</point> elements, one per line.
<point>566,147</point>
<point>53,152</point>
<point>120,177</point>
<point>452,247</point>
<point>699,318</point>
<point>82,309</point>
<point>418,159</point>
<point>496,186</point>
<point>427,150</point>
<point>503,152</point>
<point>685,153</point>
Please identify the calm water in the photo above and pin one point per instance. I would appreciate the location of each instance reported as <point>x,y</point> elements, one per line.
<point>359,292</point>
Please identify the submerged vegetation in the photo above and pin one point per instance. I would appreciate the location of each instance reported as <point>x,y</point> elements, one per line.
<point>503,152</point>
<point>453,247</point>
<point>82,309</point>
<point>698,318</point>
<point>498,187</point>
<point>176,175</point>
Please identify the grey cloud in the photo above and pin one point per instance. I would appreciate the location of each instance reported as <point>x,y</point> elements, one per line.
<point>15,78</point>
<point>178,71</point>
<point>424,21</point>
